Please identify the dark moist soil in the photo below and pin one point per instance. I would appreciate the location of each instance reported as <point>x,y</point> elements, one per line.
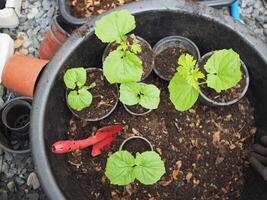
<point>137,109</point>
<point>225,95</point>
<point>136,145</point>
<point>104,97</point>
<point>166,61</point>
<point>146,55</point>
<point>88,8</point>
<point>204,150</point>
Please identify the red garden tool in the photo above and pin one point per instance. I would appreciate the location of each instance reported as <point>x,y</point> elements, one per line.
<point>102,139</point>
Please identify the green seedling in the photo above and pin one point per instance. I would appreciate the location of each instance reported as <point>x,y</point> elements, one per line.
<point>78,97</point>
<point>223,72</point>
<point>122,64</point>
<point>122,168</point>
<point>146,95</point>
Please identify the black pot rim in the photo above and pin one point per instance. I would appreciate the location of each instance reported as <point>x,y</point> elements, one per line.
<point>7,108</point>
<point>68,17</point>
<point>215,103</point>
<point>2,146</point>
<point>172,38</point>
<point>52,70</point>
<point>136,137</point>
<point>92,119</point>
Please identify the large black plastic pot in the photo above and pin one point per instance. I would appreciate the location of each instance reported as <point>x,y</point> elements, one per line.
<point>74,21</point>
<point>156,19</point>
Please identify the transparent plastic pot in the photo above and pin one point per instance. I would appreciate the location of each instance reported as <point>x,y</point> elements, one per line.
<point>107,50</point>
<point>134,138</point>
<point>205,100</point>
<point>175,41</point>
<point>100,118</point>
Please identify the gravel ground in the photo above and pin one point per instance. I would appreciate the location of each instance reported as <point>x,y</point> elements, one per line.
<point>17,177</point>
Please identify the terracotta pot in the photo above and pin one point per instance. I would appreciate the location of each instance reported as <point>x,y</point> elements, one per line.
<point>21,72</point>
<point>53,39</point>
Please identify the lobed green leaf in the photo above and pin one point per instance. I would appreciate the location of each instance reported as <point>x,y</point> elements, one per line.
<point>114,26</point>
<point>119,168</point>
<point>146,95</point>
<point>122,67</point>
<point>149,167</point>
<point>80,99</point>
<point>223,69</point>
<point>150,96</point>
<point>122,168</point>
<point>182,94</point>
<point>75,77</point>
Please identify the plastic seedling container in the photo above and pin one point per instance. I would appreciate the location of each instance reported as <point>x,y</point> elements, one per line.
<point>173,42</point>
<point>109,47</point>
<point>210,102</point>
<point>132,139</point>
<point>54,38</point>
<point>92,119</point>
<point>15,124</point>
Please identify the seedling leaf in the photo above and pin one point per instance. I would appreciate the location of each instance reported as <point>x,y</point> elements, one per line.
<point>188,70</point>
<point>150,96</point>
<point>122,168</point>
<point>80,99</point>
<point>121,67</point>
<point>136,48</point>
<point>119,168</point>
<point>114,26</point>
<point>149,167</point>
<point>147,96</point>
<point>75,77</point>
<point>129,93</point>
<point>182,94</point>
<point>223,69</point>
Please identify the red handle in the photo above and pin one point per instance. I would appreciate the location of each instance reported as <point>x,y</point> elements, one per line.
<point>98,147</point>
<point>65,146</point>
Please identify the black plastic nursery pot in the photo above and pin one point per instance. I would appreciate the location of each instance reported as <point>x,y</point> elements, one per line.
<point>156,19</point>
<point>15,125</point>
<point>65,11</point>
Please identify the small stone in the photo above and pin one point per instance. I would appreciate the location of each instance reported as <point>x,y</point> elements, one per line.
<point>8,157</point>
<point>39,14</point>
<point>23,51</point>
<point>18,42</point>
<point>20,181</point>
<point>219,160</point>
<point>33,12</point>
<point>46,5</point>
<point>1,102</point>
<point>12,172</point>
<point>33,181</point>
<point>5,168</point>
<point>11,186</point>
<point>1,91</point>
<point>27,44</point>
<point>37,4</point>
